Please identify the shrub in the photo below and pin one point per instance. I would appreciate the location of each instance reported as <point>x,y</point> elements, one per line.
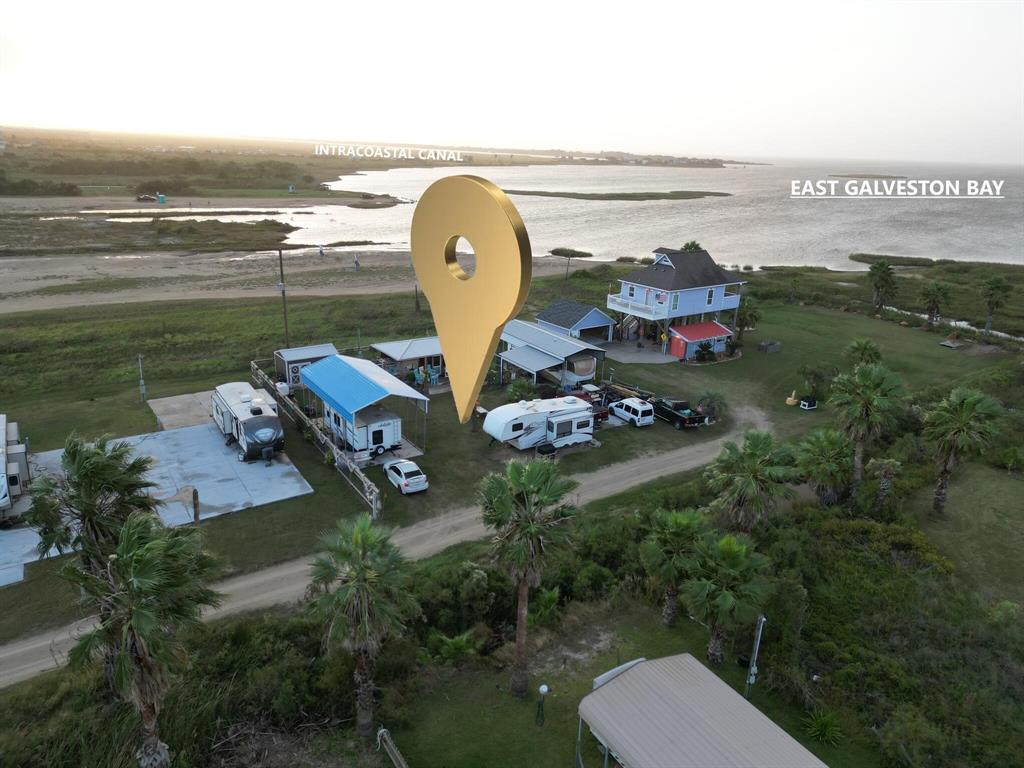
<point>822,725</point>
<point>520,389</point>
<point>174,186</point>
<point>1004,613</point>
<point>911,739</point>
<point>705,352</point>
<point>1012,458</point>
<point>544,607</point>
<point>597,272</point>
<point>452,650</point>
<point>592,582</point>
<point>454,597</point>
<point>571,253</point>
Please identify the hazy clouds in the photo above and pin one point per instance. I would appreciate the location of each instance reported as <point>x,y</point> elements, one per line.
<point>914,81</point>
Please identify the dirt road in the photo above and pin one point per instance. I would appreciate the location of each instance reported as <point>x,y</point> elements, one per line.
<point>286,582</point>
<point>55,282</point>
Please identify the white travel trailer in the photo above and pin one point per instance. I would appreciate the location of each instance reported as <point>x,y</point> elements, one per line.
<point>249,418</point>
<point>14,470</point>
<point>375,429</point>
<point>558,421</point>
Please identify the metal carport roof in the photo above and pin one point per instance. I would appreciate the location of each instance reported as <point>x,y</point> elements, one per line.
<point>518,333</point>
<point>676,713</point>
<point>410,349</point>
<point>530,359</point>
<point>348,384</point>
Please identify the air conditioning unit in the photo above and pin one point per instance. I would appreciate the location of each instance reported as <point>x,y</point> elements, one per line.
<point>295,379</point>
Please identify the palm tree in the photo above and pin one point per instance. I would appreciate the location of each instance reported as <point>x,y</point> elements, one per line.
<point>525,508</point>
<point>863,352</point>
<point>84,510</point>
<point>359,588</point>
<point>690,246</point>
<point>750,480</point>
<point>962,424</point>
<point>151,588</point>
<point>730,587</point>
<point>885,470</point>
<point>883,283</point>
<point>996,291</point>
<point>934,295</point>
<point>747,316</point>
<point>713,403</point>
<point>825,460</point>
<point>864,401</point>
<point>669,554</point>
<point>816,378</point>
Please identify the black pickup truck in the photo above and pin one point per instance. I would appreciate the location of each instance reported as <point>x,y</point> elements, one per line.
<point>678,413</point>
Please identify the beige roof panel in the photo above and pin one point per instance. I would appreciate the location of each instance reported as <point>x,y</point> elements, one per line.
<point>676,713</point>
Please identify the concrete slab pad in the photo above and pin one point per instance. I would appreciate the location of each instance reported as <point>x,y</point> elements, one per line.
<point>185,458</point>
<point>406,451</point>
<point>627,352</point>
<point>182,410</point>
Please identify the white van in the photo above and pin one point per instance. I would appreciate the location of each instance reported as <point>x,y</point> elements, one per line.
<point>633,410</point>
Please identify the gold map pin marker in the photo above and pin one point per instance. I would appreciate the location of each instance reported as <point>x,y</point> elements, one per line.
<point>470,310</point>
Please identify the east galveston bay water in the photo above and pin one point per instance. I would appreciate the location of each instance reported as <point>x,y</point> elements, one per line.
<point>758,225</point>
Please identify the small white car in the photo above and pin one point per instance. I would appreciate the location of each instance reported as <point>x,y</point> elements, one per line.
<point>633,410</point>
<point>406,476</point>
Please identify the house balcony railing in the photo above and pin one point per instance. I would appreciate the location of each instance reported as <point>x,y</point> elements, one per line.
<point>730,301</point>
<point>654,311</point>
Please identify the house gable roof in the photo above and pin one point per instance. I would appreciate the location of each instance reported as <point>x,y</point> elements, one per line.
<point>681,270</point>
<point>566,313</point>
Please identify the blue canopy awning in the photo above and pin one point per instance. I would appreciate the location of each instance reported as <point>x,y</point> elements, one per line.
<point>349,384</point>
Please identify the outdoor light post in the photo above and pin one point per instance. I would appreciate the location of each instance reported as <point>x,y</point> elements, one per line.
<point>142,382</point>
<point>543,691</point>
<point>284,299</point>
<point>752,669</point>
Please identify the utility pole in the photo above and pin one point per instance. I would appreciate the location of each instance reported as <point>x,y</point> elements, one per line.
<point>568,261</point>
<point>142,382</point>
<point>284,299</point>
<point>752,669</point>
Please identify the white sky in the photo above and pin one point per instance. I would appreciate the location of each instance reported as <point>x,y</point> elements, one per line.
<point>904,81</point>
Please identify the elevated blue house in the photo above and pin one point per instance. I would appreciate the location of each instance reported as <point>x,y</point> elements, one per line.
<point>680,288</point>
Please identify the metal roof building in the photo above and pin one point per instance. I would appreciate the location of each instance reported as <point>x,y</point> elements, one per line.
<point>349,384</point>
<point>572,318</point>
<point>535,349</point>
<point>674,712</point>
<point>410,349</point>
<point>307,353</point>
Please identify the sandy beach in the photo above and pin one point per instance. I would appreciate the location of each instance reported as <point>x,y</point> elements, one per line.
<point>42,282</point>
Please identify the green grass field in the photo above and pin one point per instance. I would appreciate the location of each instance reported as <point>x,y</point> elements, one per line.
<point>20,235</point>
<point>76,370</point>
<point>466,718</point>
<point>965,280</point>
<point>982,531</point>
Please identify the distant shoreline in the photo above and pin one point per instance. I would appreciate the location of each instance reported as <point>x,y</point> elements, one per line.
<point>626,196</point>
